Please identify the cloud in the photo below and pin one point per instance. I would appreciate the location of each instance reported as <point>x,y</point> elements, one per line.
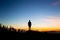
<point>53,20</point>
<point>56,3</point>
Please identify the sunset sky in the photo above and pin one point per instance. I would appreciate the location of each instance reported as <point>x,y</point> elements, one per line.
<point>44,14</point>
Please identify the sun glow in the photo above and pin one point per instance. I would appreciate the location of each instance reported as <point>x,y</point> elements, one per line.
<point>41,29</point>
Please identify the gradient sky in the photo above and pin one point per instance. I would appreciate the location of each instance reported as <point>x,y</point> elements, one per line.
<point>42,13</point>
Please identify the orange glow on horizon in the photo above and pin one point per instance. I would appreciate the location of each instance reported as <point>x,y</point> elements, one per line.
<point>41,29</point>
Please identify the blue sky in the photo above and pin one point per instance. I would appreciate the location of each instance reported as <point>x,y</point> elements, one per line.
<point>41,12</point>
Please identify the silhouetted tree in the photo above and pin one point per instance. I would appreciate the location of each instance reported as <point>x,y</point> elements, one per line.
<point>0,25</point>
<point>10,28</point>
<point>3,26</point>
<point>18,30</point>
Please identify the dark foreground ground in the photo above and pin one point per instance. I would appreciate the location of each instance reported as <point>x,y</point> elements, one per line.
<point>28,35</point>
<point>11,34</point>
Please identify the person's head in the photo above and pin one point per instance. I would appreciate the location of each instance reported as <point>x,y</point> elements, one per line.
<point>29,20</point>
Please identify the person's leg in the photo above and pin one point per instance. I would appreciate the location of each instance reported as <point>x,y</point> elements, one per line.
<point>29,28</point>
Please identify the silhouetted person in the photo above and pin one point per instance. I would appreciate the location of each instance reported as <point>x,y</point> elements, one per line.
<point>29,25</point>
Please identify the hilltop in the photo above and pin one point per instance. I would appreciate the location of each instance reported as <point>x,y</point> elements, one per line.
<point>12,34</point>
<point>28,35</point>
